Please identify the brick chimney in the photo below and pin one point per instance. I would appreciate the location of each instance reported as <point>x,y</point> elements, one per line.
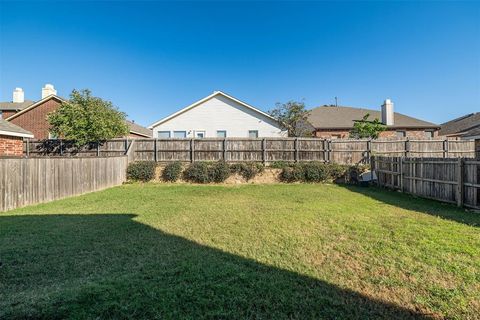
<point>48,90</point>
<point>387,113</point>
<point>18,95</point>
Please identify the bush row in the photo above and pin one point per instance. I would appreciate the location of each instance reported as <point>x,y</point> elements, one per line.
<point>206,172</point>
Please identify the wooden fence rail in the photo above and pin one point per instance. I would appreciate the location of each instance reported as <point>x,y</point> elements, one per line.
<point>35,180</point>
<point>453,180</point>
<point>264,150</point>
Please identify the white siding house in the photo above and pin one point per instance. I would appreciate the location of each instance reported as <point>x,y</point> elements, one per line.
<point>217,115</point>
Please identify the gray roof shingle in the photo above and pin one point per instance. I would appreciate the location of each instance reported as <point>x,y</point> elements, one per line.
<point>10,127</point>
<point>462,124</point>
<point>12,106</point>
<point>136,128</point>
<point>331,117</point>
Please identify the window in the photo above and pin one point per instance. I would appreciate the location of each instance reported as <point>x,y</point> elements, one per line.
<point>428,133</point>
<point>179,134</point>
<point>163,134</point>
<point>221,133</point>
<point>401,134</point>
<point>200,134</point>
<point>253,133</point>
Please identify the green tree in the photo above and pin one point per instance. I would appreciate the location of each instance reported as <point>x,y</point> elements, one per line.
<point>367,128</point>
<point>293,117</point>
<point>85,118</point>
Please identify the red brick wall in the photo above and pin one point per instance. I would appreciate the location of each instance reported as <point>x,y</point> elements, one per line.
<point>11,146</point>
<point>411,133</point>
<point>35,120</point>
<point>6,114</point>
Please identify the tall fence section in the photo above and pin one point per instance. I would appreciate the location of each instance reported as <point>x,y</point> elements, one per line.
<point>35,180</point>
<point>264,150</point>
<point>453,180</point>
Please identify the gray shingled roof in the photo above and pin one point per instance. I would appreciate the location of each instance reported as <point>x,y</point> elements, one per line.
<point>132,126</point>
<point>462,124</point>
<point>10,127</point>
<point>8,105</point>
<point>331,117</point>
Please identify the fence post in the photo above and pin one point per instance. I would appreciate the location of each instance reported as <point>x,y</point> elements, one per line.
<point>28,147</point>
<point>369,150</point>
<point>407,148</point>
<point>61,147</point>
<point>295,146</point>
<point>126,145</point>
<point>225,149</point>
<point>401,174</point>
<point>192,150</point>
<point>460,174</point>
<point>98,149</point>
<point>445,148</point>
<point>264,151</point>
<point>155,148</point>
<point>328,150</point>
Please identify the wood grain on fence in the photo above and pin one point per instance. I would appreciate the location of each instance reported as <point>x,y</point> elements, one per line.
<point>264,150</point>
<point>453,180</point>
<point>35,180</point>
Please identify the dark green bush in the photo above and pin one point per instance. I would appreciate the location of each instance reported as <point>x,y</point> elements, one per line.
<point>315,172</point>
<point>172,171</point>
<point>197,172</point>
<point>247,170</point>
<point>141,171</point>
<point>218,171</point>
<point>205,172</point>
<point>292,173</point>
<point>337,171</point>
<point>280,164</point>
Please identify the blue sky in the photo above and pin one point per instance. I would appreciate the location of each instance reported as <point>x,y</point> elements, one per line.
<point>152,58</point>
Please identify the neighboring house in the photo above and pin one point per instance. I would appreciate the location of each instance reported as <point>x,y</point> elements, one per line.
<point>11,139</point>
<point>336,122</point>
<point>217,115</point>
<point>32,115</point>
<point>466,127</point>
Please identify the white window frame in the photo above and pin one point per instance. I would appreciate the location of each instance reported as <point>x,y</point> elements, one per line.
<point>178,131</point>
<point>169,134</point>
<point>201,132</point>
<point>250,131</point>
<point>225,131</point>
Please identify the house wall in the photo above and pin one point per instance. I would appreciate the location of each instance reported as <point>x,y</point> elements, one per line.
<point>220,113</point>
<point>11,146</point>
<point>411,133</point>
<point>35,119</point>
<point>8,113</point>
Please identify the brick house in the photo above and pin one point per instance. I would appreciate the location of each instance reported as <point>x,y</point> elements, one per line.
<point>11,139</point>
<point>32,115</point>
<point>336,122</point>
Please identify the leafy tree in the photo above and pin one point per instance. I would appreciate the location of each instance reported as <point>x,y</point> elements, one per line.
<point>85,119</point>
<point>293,117</point>
<point>367,128</point>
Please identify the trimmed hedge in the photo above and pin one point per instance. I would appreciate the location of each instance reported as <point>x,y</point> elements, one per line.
<point>247,170</point>
<point>313,172</point>
<point>205,172</point>
<point>141,171</point>
<point>172,171</point>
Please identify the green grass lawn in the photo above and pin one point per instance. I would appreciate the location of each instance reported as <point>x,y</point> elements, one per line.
<point>253,251</point>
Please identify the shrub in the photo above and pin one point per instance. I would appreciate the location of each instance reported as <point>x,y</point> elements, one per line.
<point>205,172</point>
<point>197,172</point>
<point>141,171</point>
<point>337,171</point>
<point>218,171</point>
<point>280,164</point>
<point>292,173</point>
<point>247,170</point>
<point>172,171</point>
<point>315,172</point>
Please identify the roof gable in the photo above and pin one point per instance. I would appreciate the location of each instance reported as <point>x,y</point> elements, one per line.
<point>34,105</point>
<point>462,124</point>
<point>331,117</point>
<point>201,101</point>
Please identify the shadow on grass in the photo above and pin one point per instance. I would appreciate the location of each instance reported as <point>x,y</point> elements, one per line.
<point>110,266</point>
<point>410,202</point>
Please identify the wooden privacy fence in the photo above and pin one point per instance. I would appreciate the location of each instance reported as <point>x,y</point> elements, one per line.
<point>35,180</point>
<point>453,180</point>
<point>264,150</point>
